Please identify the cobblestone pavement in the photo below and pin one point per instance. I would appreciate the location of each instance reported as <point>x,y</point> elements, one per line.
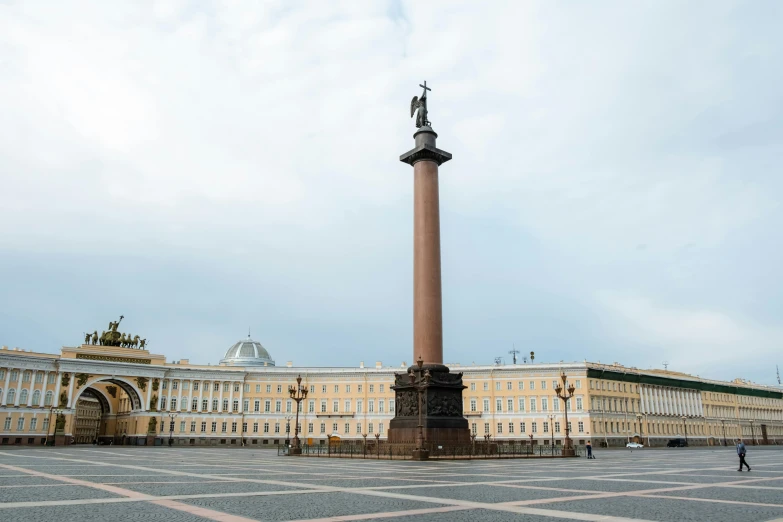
<point>88,483</point>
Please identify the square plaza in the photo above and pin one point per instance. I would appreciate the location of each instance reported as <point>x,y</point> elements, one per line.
<point>189,484</point>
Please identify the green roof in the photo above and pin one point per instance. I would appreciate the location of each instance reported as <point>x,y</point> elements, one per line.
<point>671,382</point>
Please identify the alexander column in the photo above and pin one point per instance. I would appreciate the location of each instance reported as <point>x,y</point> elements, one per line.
<point>428,381</point>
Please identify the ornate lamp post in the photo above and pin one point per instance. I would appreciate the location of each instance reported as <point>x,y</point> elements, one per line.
<point>552,430</point>
<point>172,416</point>
<point>565,396</point>
<point>288,430</point>
<point>420,453</point>
<point>297,393</point>
<point>685,428</point>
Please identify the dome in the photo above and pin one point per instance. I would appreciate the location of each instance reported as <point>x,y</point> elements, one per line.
<point>247,352</point>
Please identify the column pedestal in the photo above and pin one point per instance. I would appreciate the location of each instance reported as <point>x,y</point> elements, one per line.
<point>441,408</point>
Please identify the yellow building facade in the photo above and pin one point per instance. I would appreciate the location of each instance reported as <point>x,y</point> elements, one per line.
<point>136,397</point>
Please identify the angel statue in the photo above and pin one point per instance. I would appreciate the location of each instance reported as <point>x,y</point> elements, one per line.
<point>421,104</point>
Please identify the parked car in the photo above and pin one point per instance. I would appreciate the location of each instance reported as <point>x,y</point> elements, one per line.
<point>634,445</point>
<point>677,443</point>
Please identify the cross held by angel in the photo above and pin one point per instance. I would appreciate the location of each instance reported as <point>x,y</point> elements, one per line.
<point>421,105</point>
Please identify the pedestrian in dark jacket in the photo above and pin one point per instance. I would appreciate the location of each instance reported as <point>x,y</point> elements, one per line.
<point>741,452</point>
<point>589,450</point>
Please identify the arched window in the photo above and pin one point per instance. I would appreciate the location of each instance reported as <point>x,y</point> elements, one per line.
<point>23,397</point>
<point>48,398</point>
<point>36,398</point>
<point>11,396</point>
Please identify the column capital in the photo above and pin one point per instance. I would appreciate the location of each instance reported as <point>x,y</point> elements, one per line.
<point>425,152</point>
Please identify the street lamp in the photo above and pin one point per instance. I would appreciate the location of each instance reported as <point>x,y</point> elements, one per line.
<point>420,453</point>
<point>552,427</point>
<point>565,396</point>
<point>639,420</point>
<point>57,412</point>
<point>297,393</point>
<point>287,430</point>
<point>172,416</point>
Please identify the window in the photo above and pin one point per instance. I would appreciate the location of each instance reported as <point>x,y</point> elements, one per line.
<point>486,405</point>
<point>380,386</point>
<point>323,427</point>
<point>473,428</point>
<point>371,406</point>
<point>579,385</point>
<point>311,406</point>
<point>193,427</point>
<point>34,422</point>
<point>47,398</point>
<point>266,427</point>
<point>214,427</point>
<point>195,386</point>
<point>472,404</point>
<point>348,388</point>
<point>473,386</point>
<point>543,385</point>
<point>244,427</point>
<point>173,403</point>
<point>347,429</point>
<point>310,428</point>
<point>247,388</point>
<point>174,385</point>
<point>544,404</point>
<point>486,386</point>
<point>7,424</point>
<point>347,406</point>
<point>235,405</point>
<point>532,405</point>
<point>511,428</point>
<point>486,428</point>
<point>233,427</point>
<point>23,396</point>
<point>225,404</point>
<point>20,424</point>
<point>323,388</point>
<point>216,387</point>
<point>534,427</point>
<point>37,397</point>
<point>569,426</point>
<point>557,427</point>
<point>38,380</point>
<point>269,388</point>
<point>500,428</point>
<point>26,376</point>
<point>204,404</point>
<point>194,404</point>
<point>334,427</point>
<point>223,427</point>
<point>532,385</point>
<point>581,425</point>
<point>277,427</point>
<point>14,375</point>
<point>372,388</point>
<point>255,427</point>
<point>508,385</point>
<point>246,405</point>
<point>521,404</point>
<point>579,403</point>
<point>267,406</point>
<point>49,380</point>
<point>279,388</point>
<point>323,406</point>
<point>359,405</point>
<point>498,405</point>
<point>546,427</point>
<point>359,387</point>
<point>336,388</point>
<point>510,405</point>
<point>358,428</point>
<point>335,406</point>
<point>181,426</point>
<point>381,403</point>
<point>497,386</point>
<point>258,388</point>
<point>256,406</point>
<point>46,424</point>
<point>555,404</point>
<point>278,406</point>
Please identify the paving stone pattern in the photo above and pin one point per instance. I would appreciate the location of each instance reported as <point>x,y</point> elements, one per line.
<point>88,483</point>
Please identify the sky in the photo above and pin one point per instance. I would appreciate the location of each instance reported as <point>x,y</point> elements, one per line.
<point>205,168</point>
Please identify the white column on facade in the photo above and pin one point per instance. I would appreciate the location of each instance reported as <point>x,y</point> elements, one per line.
<point>43,388</point>
<point>56,398</point>
<point>220,395</point>
<point>648,400</point>
<point>145,406</point>
<point>200,395</point>
<point>691,403</point>
<point>211,389</point>
<point>230,396</point>
<point>665,400</point>
<point>651,400</point>
<point>670,396</point>
<point>31,389</point>
<point>70,390</point>
<point>5,386</point>
<point>681,400</point>
<point>700,411</point>
<point>160,396</point>
<point>241,396</point>
<point>657,395</point>
<point>18,388</point>
<point>179,396</point>
<point>676,401</point>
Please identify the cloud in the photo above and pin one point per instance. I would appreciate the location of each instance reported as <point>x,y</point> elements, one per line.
<point>228,164</point>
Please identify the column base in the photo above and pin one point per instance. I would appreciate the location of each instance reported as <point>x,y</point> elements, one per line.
<point>295,451</point>
<point>421,454</point>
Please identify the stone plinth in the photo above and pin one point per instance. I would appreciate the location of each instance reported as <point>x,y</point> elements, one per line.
<point>441,408</point>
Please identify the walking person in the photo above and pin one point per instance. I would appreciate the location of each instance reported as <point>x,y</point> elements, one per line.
<point>589,450</point>
<point>741,453</point>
